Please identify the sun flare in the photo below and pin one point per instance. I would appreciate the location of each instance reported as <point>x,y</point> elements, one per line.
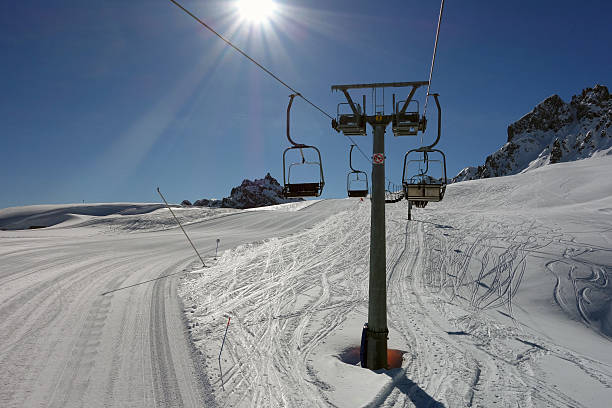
<point>256,11</point>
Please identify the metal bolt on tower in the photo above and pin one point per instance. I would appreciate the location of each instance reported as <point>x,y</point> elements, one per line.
<point>354,123</point>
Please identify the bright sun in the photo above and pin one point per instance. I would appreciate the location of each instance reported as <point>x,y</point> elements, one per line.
<point>256,11</point>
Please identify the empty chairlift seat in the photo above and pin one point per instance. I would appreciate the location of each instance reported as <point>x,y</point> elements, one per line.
<point>308,157</point>
<point>358,193</point>
<point>351,124</point>
<point>356,180</point>
<point>422,187</point>
<point>424,191</point>
<point>407,123</point>
<point>302,190</point>
<point>291,187</point>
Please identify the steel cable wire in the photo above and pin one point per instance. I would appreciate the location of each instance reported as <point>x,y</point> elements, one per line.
<point>433,58</point>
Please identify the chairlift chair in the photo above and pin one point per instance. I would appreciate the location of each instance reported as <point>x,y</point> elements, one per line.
<point>422,188</point>
<point>351,188</point>
<point>292,189</point>
<point>351,124</point>
<point>311,189</point>
<point>407,123</point>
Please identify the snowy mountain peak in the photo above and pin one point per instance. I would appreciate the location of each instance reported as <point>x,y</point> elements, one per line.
<point>267,182</point>
<point>550,114</point>
<point>598,96</point>
<point>554,131</point>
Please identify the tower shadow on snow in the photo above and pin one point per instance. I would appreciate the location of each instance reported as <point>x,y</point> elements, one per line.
<point>436,225</point>
<point>419,397</point>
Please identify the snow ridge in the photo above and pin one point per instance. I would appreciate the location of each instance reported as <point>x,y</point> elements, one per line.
<point>553,132</point>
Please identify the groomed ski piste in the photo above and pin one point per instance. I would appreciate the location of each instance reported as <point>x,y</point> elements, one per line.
<point>497,296</point>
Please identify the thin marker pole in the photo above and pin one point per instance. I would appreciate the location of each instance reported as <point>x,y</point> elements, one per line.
<point>179,224</point>
<point>220,351</point>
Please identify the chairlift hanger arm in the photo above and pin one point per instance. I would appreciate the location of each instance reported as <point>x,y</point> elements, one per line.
<point>288,122</point>
<point>429,148</point>
<point>444,163</point>
<point>351,158</point>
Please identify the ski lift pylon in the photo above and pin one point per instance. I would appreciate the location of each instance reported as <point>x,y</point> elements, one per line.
<point>310,189</point>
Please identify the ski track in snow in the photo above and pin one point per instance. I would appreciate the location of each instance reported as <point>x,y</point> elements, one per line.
<point>285,297</point>
<point>91,317</point>
<point>450,277</point>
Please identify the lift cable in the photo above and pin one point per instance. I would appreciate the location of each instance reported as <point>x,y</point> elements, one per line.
<point>433,59</point>
<point>267,71</point>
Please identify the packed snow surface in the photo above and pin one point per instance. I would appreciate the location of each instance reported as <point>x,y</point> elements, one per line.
<point>497,296</point>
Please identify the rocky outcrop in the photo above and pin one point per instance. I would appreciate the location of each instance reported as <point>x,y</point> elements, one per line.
<point>551,114</point>
<point>553,132</point>
<point>251,194</point>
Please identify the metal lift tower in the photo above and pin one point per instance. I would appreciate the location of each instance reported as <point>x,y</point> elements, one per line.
<point>404,124</point>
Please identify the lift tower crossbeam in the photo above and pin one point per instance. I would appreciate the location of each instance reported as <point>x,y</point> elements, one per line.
<point>377,331</point>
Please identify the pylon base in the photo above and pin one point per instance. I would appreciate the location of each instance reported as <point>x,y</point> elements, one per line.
<point>376,346</point>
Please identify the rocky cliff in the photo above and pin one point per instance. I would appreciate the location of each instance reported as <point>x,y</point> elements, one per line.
<point>554,131</point>
<point>250,194</point>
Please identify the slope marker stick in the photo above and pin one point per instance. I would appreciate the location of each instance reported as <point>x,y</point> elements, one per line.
<point>220,351</point>
<point>179,224</point>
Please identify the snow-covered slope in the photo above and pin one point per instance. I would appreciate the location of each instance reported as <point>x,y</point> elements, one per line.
<point>497,296</point>
<point>42,216</point>
<point>125,217</point>
<point>554,132</point>
<point>91,319</point>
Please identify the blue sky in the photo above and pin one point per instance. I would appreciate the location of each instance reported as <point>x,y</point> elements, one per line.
<point>104,101</point>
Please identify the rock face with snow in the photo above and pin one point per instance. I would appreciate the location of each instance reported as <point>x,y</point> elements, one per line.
<point>251,194</point>
<point>553,132</point>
